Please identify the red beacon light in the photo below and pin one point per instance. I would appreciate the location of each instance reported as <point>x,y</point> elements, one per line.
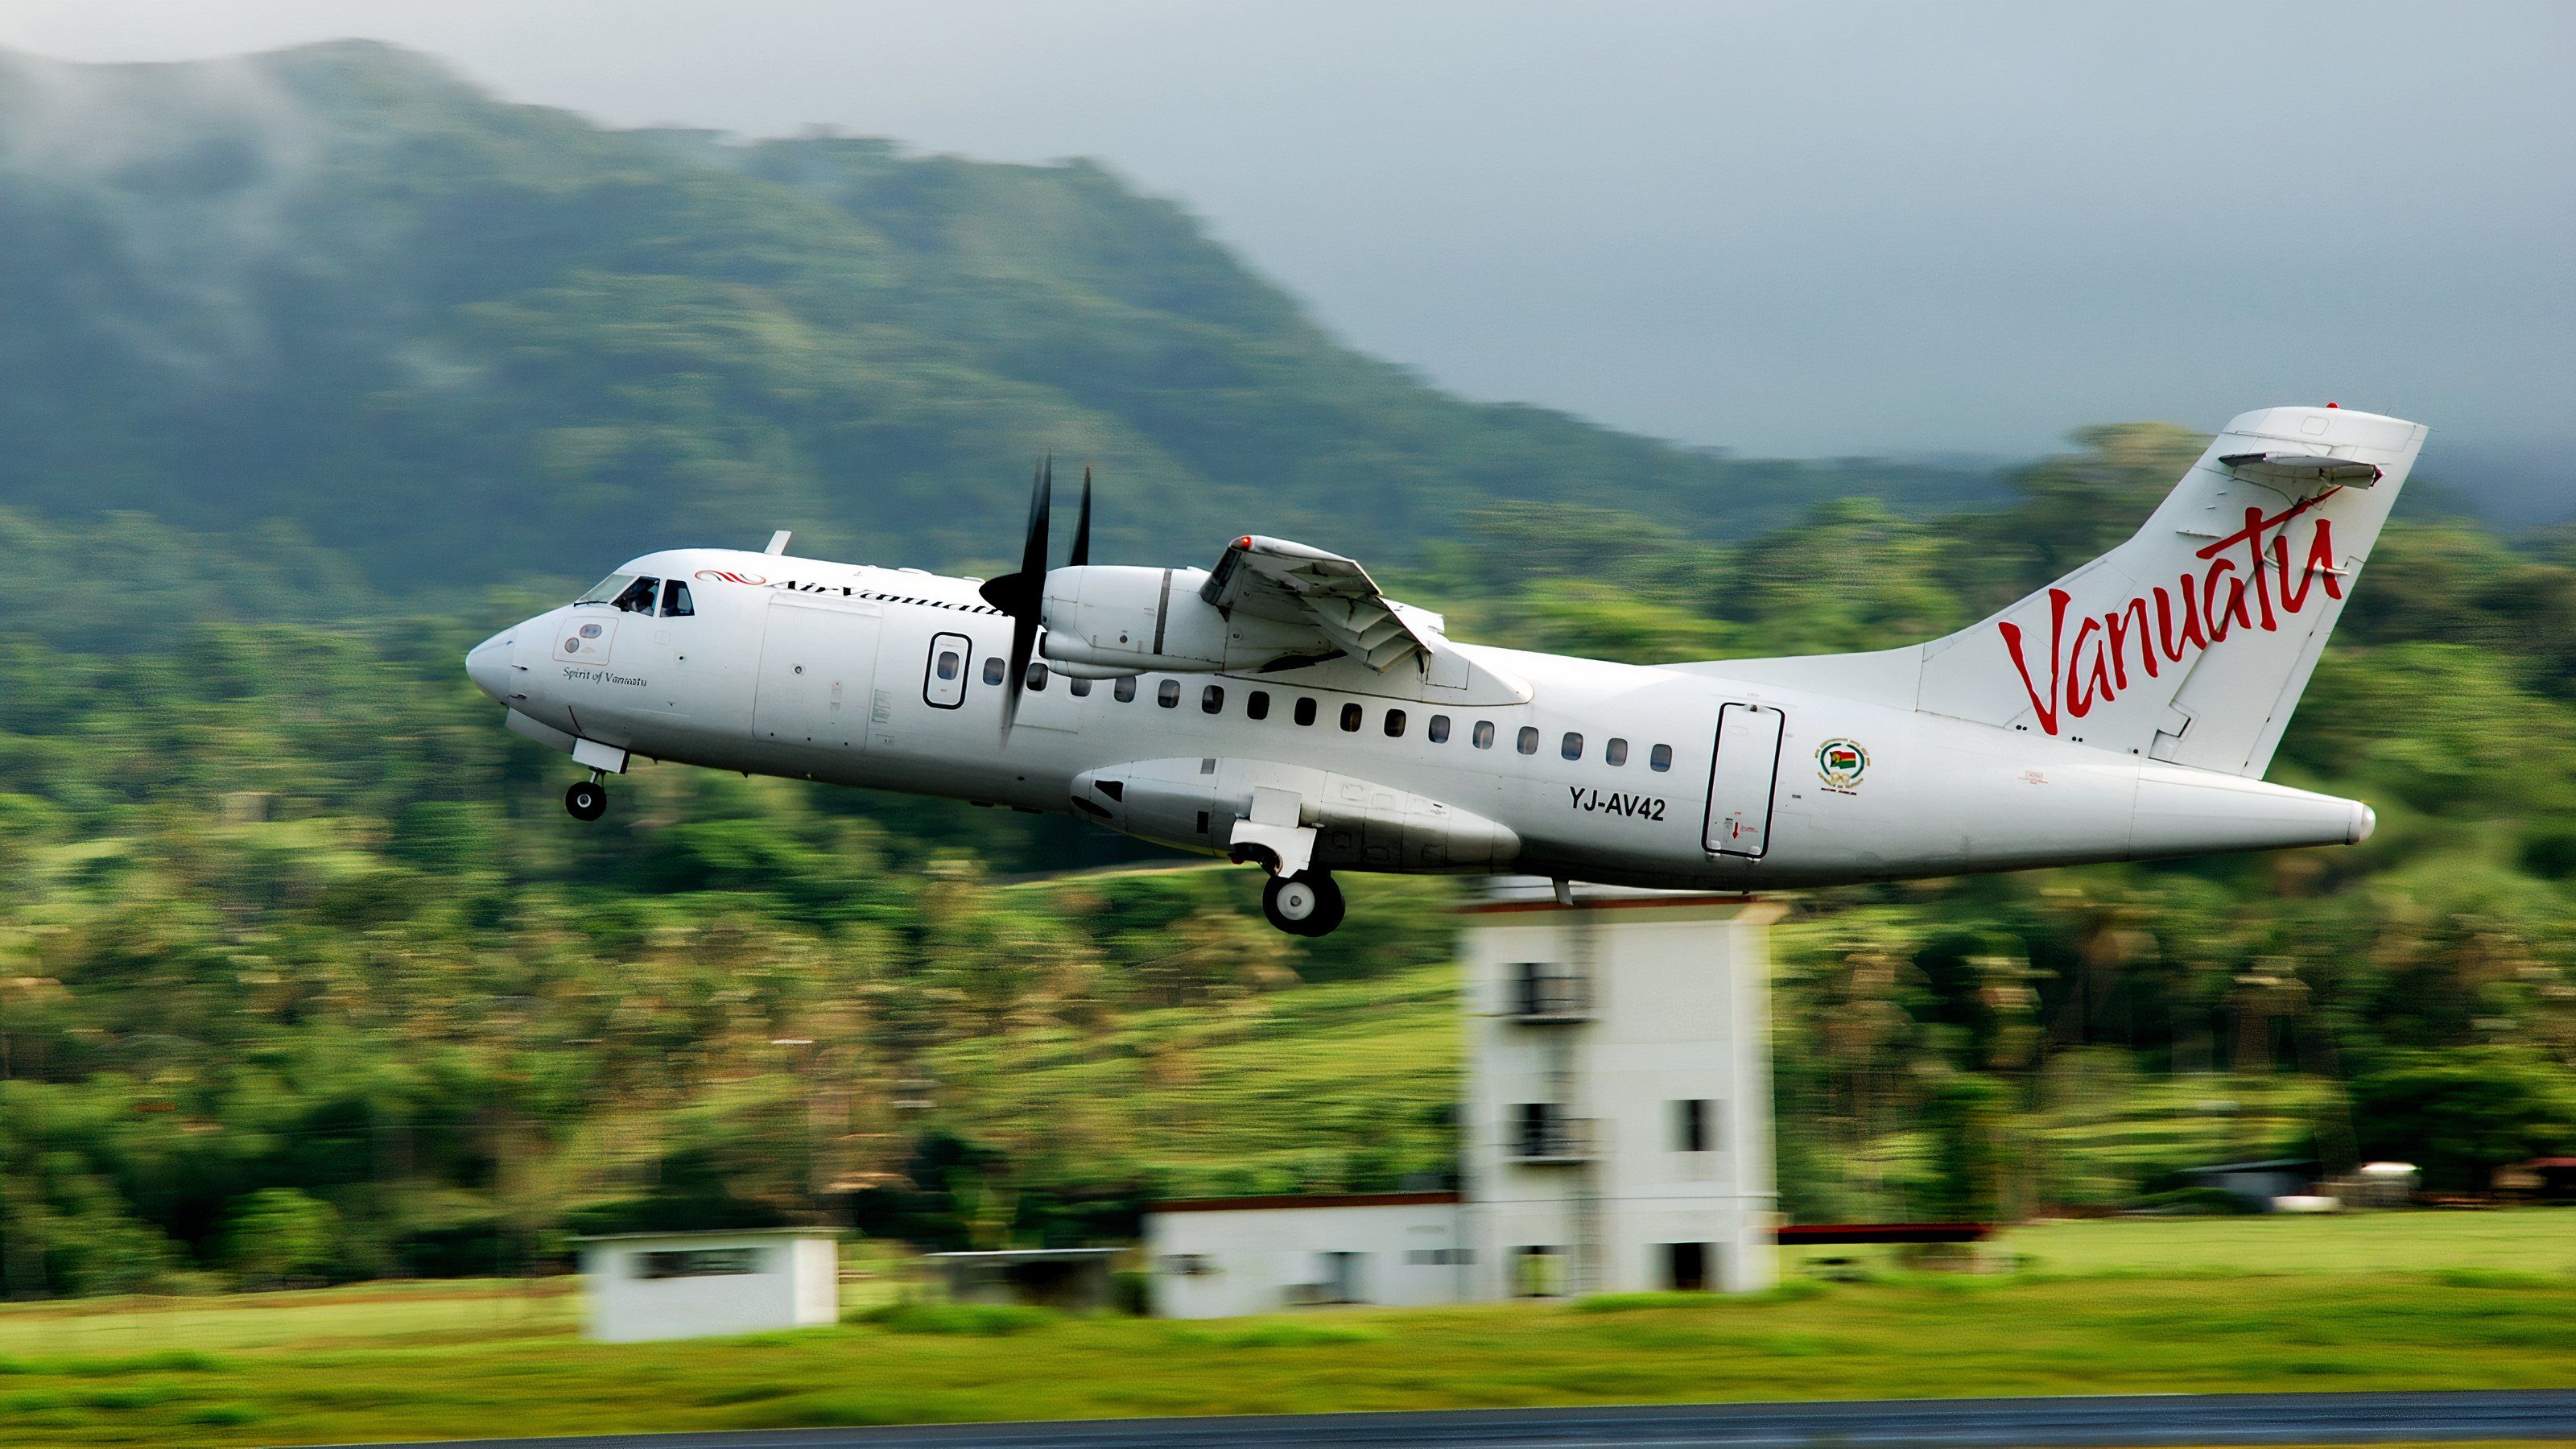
<point>2334,405</point>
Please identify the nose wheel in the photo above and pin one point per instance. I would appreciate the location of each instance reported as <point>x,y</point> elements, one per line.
<point>1307,904</point>
<point>587,800</point>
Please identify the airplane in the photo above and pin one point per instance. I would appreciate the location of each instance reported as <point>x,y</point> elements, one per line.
<point>1281,711</point>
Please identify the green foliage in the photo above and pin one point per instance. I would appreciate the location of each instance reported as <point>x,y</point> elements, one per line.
<point>1281,1333</point>
<point>278,1233</point>
<point>2460,1114</point>
<point>970,1320</point>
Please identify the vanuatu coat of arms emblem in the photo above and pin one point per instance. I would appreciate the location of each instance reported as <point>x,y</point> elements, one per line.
<point>1840,764</point>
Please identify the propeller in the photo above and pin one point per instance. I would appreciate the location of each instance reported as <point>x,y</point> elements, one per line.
<point>1022,595</point>
<point>1082,525</point>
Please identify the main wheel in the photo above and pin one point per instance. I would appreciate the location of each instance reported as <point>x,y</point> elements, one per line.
<point>587,800</point>
<point>1302,905</point>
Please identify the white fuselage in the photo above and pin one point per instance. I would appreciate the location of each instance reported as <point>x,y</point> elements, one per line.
<point>833,672</point>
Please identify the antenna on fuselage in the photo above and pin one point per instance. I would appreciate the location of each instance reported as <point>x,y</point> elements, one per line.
<point>777,543</point>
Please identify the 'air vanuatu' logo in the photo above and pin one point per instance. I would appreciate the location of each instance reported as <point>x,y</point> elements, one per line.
<point>1840,764</point>
<point>727,576</point>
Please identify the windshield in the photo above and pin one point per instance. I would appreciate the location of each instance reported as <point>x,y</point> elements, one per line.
<point>606,589</point>
<point>631,592</point>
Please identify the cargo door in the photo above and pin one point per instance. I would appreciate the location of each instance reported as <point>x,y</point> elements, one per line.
<point>818,666</point>
<point>1741,779</point>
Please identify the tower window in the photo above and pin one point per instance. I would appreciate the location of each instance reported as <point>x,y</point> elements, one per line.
<point>1693,1126</point>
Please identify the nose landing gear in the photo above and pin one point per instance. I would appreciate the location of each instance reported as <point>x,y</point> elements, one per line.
<point>1305,904</point>
<point>587,799</point>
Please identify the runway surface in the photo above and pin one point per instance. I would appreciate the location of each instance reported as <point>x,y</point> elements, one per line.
<point>2141,1419</point>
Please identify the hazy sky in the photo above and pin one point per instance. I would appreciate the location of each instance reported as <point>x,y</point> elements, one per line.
<point>1782,229</point>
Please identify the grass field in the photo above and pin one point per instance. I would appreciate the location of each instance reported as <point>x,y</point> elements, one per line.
<point>2473,1300</point>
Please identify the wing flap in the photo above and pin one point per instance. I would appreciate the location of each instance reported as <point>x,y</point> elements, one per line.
<point>1292,583</point>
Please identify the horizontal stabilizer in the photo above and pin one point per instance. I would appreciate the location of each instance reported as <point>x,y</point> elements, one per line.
<point>2302,469</point>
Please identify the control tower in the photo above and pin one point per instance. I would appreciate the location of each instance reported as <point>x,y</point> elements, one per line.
<point>1616,1135</point>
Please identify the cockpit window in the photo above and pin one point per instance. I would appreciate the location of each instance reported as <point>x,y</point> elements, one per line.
<point>606,590</point>
<point>639,597</point>
<point>675,600</point>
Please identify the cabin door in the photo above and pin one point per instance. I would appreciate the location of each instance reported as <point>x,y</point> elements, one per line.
<point>1740,780</point>
<point>818,669</point>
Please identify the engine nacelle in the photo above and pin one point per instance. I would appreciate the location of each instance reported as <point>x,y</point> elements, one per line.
<point>1106,620</point>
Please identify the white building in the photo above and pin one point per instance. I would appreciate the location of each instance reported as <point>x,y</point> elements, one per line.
<point>1226,1257</point>
<point>699,1285</point>
<point>1616,1135</point>
<point>1617,1129</point>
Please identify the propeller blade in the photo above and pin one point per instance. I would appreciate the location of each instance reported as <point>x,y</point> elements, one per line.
<point>1020,593</point>
<point>1023,595</point>
<point>1082,525</point>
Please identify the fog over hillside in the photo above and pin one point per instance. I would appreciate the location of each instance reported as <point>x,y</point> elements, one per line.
<point>340,291</point>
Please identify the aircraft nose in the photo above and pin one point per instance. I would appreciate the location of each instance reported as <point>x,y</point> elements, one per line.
<point>488,664</point>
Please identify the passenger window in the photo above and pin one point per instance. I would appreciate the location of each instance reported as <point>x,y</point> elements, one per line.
<point>993,670</point>
<point>1305,710</point>
<point>1256,705</point>
<point>1661,758</point>
<point>1212,699</point>
<point>948,664</point>
<point>1440,729</point>
<point>1037,677</point>
<point>1350,719</point>
<point>1529,740</point>
<point>1125,690</point>
<point>1484,735</point>
<point>1615,752</point>
<point>1080,686</point>
<point>675,601</point>
<point>1395,724</point>
<point>639,596</point>
<point>1168,694</point>
<point>1571,746</point>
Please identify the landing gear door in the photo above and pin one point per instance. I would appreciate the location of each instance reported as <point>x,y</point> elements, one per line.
<point>1741,779</point>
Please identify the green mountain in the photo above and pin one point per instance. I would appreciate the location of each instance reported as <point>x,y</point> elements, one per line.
<point>337,295</point>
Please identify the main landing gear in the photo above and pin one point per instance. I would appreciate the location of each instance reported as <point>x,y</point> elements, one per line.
<point>1306,904</point>
<point>587,799</point>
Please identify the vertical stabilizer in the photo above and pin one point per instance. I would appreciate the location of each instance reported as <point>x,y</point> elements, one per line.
<point>2189,643</point>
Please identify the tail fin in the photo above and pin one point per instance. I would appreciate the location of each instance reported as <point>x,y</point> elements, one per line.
<point>2192,641</point>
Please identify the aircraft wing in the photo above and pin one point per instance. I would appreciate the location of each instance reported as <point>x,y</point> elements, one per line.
<point>1290,583</point>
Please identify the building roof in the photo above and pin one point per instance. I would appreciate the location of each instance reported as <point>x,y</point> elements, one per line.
<point>804,1232</point>
<point>1302,1200</point>
<point>1024,1255</point>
